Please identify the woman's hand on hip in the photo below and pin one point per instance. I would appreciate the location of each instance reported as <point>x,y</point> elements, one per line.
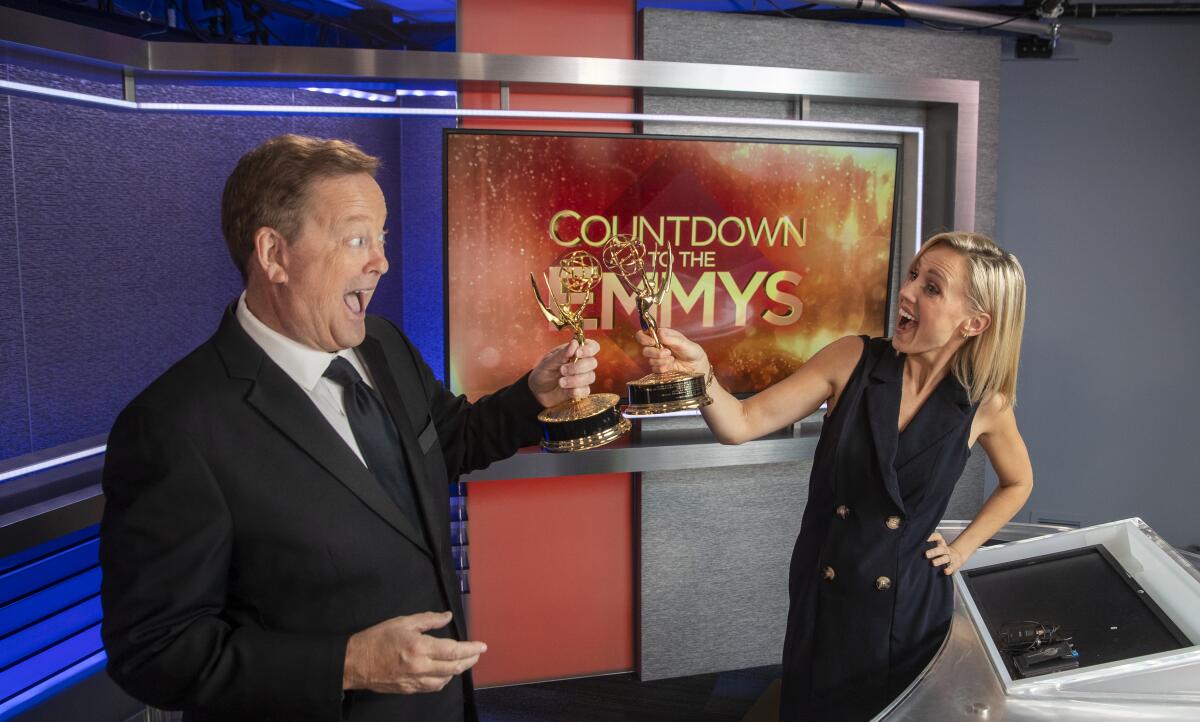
<point>945,555</point>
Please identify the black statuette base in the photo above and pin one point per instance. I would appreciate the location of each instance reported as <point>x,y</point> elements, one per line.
<point>662,393</point>
<point>584,424</point>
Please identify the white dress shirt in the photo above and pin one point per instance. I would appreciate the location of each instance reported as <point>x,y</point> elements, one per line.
<point>306,366</point>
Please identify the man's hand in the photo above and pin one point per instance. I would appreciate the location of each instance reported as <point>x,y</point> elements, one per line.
<point>396,656</point>
<point>560,376</point>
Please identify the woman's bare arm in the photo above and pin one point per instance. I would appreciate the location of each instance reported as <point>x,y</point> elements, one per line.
<point>996,426</point>
<point>734,421</point>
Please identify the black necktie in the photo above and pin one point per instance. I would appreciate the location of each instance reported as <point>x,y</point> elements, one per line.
<point>376,435</point>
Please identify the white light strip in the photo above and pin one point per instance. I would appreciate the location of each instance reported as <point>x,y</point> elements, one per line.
<point>68,95</point>
<point>51,463</point>
<point>446,112</point>
<point>920,188</point>
<point>422,93</point>
<point>532,114</point>
<point>355,93</point>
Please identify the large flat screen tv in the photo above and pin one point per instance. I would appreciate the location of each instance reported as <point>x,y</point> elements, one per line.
<point>778,247</point>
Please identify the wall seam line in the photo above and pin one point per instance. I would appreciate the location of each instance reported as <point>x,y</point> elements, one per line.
<point>12,146</point>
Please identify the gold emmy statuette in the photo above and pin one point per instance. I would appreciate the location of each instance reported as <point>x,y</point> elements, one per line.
<point>656,393</point>
<point>593,420</point>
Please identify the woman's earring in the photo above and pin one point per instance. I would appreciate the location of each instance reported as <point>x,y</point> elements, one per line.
<point>965,334</point>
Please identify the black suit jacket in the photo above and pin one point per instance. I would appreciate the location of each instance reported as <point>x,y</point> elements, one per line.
<point>243,541</point>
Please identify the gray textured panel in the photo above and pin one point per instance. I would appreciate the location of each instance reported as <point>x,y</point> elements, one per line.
<point>715,547</point>
<point>783,109</point>
<point>816,45</point>
<point>715,552</point>
<point>858,113</point>
<point>968,493</point>
<point>123,263</point>
<point>14,401</point>
<point>27,66</point>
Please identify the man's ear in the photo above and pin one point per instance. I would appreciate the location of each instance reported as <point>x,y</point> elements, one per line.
<point>270,255</point>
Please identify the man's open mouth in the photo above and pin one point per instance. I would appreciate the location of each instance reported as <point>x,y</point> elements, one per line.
<point>356,301</point>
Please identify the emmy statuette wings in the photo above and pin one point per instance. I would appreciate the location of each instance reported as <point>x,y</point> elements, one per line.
<point>593,420</point>
<point>655,393</point>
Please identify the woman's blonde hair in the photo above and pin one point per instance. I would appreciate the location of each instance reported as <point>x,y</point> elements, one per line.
<point>996,286</point>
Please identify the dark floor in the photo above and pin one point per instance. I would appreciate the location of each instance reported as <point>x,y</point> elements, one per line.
<point>725,697</point>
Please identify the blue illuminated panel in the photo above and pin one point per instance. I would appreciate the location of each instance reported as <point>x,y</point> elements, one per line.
<point>49,619</point>
<point>47,570</point>
<point>72,378</point>
<point>44,634</point>
<point>47,602</point>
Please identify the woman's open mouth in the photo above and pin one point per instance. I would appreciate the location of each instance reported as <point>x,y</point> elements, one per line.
<point>906,322</point>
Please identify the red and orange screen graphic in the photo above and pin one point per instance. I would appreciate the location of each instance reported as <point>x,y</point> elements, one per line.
<point>778,248</point>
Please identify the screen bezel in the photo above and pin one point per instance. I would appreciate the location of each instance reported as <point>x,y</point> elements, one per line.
<point>1117,569</point>
<point>447,133</point>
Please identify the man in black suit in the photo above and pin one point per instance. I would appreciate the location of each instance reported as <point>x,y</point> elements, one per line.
<point>275,542</point>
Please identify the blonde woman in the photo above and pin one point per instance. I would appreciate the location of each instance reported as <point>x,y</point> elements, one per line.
<point>870,588</point>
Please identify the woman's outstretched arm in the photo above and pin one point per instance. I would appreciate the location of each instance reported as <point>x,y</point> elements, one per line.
<point>734,421</point>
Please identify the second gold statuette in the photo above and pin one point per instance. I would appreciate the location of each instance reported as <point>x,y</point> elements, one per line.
<point>654,393</point>
<point>593,420</point>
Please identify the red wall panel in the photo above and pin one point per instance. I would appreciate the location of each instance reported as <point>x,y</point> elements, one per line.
<point>551,577</point>
<point>551,559</point>
<point>584,28</point>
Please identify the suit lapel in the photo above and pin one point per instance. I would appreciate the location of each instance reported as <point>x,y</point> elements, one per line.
<point>949,405</point>
<point>401,398</point>
<point>398,403</point>
<point>883,411</point>
<point>289,409</point>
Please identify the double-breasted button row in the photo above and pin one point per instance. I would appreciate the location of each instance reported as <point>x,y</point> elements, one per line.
<point>881,583</point>
<point>892,522</point>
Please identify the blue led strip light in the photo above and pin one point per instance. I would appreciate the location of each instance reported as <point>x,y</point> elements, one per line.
<point>51,686</point>
<point>44,634</point>
<point>49,619</point>
<point>458,535</point>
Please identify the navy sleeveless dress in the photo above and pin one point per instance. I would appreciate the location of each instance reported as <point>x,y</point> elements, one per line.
<point>868,610</point>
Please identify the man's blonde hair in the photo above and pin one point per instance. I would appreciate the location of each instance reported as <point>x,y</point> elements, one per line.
<point>270,184</point>
<point>996,286</point>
